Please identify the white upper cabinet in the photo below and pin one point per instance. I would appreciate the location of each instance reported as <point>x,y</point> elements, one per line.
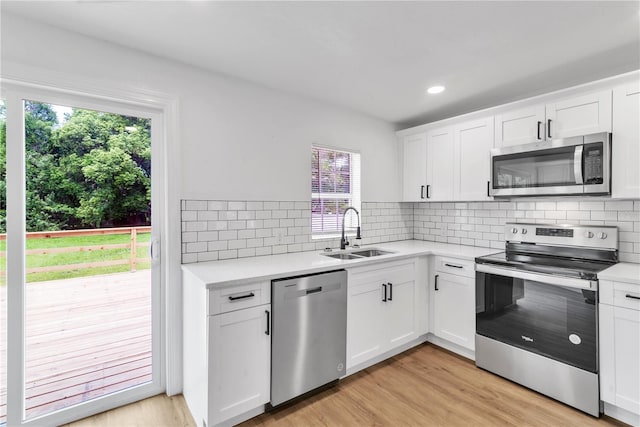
<point>440,161</point>
<point>415,167</point>
<point>580,115</point>
<point>625,152</point>
<point>472,169</point>
<point>520,126</point>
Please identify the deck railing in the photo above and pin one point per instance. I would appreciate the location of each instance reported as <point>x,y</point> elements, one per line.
<point>133,244</point>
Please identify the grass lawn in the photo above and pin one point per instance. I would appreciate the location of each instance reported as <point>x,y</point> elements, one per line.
<point>67,258</point>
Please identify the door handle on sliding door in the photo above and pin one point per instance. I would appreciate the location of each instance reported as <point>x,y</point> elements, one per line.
<point>154,250</point>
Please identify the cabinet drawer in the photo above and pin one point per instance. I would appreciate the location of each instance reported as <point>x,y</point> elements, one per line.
<point>398,271</point>
<point>458,267</point>
<point>239,297</point>
<point>620,294</point>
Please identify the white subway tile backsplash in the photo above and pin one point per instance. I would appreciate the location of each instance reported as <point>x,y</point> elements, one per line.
<point>213,230</point>
<point>237,206</point>
<point>485,225</point>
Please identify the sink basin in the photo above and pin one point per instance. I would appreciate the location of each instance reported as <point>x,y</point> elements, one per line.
<point>371,252</point>
<point>342,256</point>
<point>357,254</point>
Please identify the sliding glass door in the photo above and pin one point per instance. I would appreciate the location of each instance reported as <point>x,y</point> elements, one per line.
<point>83,233</point>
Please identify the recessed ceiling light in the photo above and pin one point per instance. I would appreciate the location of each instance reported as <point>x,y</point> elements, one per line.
<point>435,89</point>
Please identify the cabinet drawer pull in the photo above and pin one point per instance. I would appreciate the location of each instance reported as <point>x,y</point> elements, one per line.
<point>390,291</point>
<point>384,285</point>
<point>249,295</point>
<point>436,282</point>
<point>632,296</point>
<point>453,265</point>
<point>268,331</point>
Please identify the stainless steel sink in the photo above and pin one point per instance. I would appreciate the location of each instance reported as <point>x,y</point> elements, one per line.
<point>342,256</point>
<point>356,254</point>
<point>370,252</point>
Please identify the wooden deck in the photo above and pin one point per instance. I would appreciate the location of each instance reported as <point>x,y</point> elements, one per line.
<point>85,337</point>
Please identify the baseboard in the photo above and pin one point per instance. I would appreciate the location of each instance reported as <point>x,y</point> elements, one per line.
<point>448,345</point>
<point>384,356</point>
<point>621,414</point>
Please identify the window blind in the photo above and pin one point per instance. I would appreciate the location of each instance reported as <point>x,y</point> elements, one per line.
<point>335,185</point>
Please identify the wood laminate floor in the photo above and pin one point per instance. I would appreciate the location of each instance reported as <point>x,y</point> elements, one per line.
<point>425,386</point>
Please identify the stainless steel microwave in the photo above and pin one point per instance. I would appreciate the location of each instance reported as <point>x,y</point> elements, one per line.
<point>569,166</point>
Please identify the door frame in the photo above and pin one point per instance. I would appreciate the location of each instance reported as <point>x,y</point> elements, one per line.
<point>162,112</point>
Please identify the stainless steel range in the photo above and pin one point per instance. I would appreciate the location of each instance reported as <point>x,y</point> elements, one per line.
<point>537,309</point>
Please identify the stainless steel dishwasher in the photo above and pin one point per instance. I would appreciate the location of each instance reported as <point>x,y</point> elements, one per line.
<point>309,333</point>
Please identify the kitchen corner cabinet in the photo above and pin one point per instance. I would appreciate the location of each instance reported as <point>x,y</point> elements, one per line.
<point>385,304</point>
<point>414,167</point>
<point>579,115</point>
<point>619,330</point>
<point>625,179</point>
<point>226,351</point>
<point>453,296</point>
<point>440,159</point>
<point>473,141</point>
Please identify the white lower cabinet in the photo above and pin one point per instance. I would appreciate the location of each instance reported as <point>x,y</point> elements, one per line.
<point>239,362</point>
<point>385,308</point>
<point>619,330</point>
<point>453,301</point>
<point>226,351</point>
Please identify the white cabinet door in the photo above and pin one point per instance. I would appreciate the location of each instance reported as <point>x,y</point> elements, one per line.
<point>454,309</point>
<point>440,164</point>
<point>365,323</point>
<point>473,142</point>
<point>239,362</point>
<point>625,152</point>
<point>620,356</point>
<point>414,168</point>
<point>580,115</point>
<point>401,323</point>
<point>520,126</point>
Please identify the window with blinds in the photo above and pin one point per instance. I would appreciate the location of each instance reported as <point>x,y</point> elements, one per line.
<point>335,185</point>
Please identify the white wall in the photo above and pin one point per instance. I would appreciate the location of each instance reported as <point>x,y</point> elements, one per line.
<point>238,141</point>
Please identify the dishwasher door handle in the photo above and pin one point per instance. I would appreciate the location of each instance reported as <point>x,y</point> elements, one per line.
<point>268,331</point>
<point>314,290</point>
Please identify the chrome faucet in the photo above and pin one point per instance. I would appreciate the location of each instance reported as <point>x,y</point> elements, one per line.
<point>343,240</point>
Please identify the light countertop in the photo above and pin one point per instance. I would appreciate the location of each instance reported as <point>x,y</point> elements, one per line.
<point>244,270</point>
<point>622,272</point>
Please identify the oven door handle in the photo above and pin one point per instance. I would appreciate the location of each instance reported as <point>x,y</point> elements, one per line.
<point>538,277</point>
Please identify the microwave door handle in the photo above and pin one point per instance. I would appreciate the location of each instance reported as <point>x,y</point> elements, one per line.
<point>577,164</point>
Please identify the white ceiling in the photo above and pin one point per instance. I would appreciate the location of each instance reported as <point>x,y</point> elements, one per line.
<point>375,57</point>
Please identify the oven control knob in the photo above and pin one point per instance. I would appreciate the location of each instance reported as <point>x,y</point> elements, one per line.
<point>514,230</point>
<point>588,234</point>
<point>602,235</point>
<point>524,231</point>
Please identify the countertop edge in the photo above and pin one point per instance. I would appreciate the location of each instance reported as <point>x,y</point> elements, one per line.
<point>402,249</point>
